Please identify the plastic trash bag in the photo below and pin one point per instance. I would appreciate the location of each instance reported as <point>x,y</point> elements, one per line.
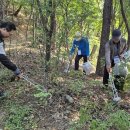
<point>88,68</point>
<point>120,69</point>
<point>127,55</point>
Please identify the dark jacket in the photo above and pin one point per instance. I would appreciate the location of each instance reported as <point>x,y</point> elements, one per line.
<point>109,50</point>
<point>3,58</point>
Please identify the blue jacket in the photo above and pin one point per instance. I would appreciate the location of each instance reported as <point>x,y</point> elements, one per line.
<point>82,45</point>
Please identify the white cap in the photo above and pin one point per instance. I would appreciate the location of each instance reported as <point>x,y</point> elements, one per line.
<point>77,36</point>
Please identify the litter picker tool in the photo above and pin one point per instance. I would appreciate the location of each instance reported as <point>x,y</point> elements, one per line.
<point>32,82</point>
<point>116,98</point>
<point>68,67</point>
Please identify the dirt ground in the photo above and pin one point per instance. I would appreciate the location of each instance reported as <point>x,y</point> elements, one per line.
<point>55,112</point>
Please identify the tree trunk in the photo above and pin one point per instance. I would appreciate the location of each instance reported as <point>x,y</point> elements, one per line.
<point>105,34</point>
<point>126,21</point>
<point>93,51</point>
<point>51,12</point>
<point>48,32</point>
<point>1,10</point>
<point>43,19</point>
<point>17,11</point>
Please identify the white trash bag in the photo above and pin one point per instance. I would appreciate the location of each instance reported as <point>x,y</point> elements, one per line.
<point>88,68</point>
<point>120,69</point>
<point>127,55</point>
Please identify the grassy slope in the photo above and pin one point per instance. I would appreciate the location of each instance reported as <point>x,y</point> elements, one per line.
<point>21,110</point>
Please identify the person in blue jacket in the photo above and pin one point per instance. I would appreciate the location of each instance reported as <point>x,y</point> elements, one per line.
<point>82,44</point>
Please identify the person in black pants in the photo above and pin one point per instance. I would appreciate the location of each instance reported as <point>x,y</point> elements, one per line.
<point>114,52</point>
<point>106,74</point>
<point>6,29</point>
<point>119,81</point>
<point>82,44</point>
<point>77,58</point>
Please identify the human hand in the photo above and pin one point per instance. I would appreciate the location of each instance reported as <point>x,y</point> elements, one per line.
<point>17,74</point>
<point>109,70</point>
<point>122,56</point>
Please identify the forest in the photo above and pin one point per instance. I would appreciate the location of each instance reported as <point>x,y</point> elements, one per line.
<point>62,54</point>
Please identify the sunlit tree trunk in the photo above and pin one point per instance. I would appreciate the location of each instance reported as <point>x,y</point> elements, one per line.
<point>107,15</point>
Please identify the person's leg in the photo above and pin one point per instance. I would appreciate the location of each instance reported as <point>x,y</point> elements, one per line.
<point>77,58</point>
<point>106,74</point>
<point>122,83</point>
<point>1,93</point>
<point>105,77</point>
<point>119,82</point>
<point>85,58</point>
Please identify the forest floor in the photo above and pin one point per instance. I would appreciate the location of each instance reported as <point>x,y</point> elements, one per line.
<point>71,98</point>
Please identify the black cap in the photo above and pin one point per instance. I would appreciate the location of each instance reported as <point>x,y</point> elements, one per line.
<point>8,25</point>
<point>116,33</point>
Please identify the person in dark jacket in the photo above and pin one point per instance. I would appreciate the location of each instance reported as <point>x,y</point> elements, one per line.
<point>82,45</point>
<point>6,29</point>
<point>114,51</point>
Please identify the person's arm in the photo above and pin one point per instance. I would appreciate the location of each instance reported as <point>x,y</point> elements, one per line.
<point>107,57</point>
<point>87,48</point>
<point>73,48</point>
<point>8,64</point>
<point>124,49</point>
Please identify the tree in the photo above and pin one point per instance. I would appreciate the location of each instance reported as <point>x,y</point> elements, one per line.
<point>107,15</point>
<point>125,20</point>
<point>1,10</point>
<point>49,19</point>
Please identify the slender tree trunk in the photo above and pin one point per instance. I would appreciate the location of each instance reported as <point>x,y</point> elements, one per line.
<point>93,51</point>
<point>17,11</point>
<point>43,19</point>
<point>48,32</point>
<point>126,21</point>
<point>105,34</point>
<point>34,28</point>
<point>113,21</point>
<point>1,10</point>
<point>51,12</point>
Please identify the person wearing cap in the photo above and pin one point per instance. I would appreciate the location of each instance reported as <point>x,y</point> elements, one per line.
<point>114,50</point>
<point>6,29</point>
<point>82,45</point>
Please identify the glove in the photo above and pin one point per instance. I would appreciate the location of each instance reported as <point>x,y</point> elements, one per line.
<point>17,74</point>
